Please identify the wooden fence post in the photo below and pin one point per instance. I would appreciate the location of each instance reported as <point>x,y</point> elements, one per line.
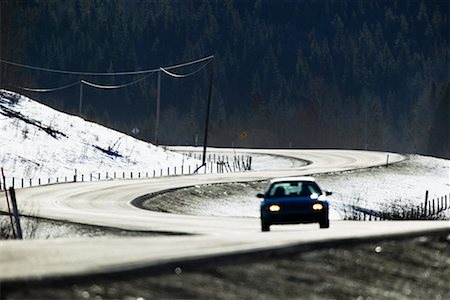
<point>16,212</point>
<point>7,202</point>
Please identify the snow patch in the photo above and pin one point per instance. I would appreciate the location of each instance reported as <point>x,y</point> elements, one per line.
<point>40,142</point>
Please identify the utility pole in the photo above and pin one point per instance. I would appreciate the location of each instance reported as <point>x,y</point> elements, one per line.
<point>1,74</point>
<point>81,99</point>
<point>208,109</point>
<point>158,96</point>
<point>158,99</point>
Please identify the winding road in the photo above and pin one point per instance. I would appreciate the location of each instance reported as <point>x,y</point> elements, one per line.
<point>109,203</point>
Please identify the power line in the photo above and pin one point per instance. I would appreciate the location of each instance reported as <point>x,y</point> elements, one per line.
<point>45,90</point>
<point>106,73</point>
<point>94,85</point>
<point>208,59</point>
<point>189,63</point>
<point>184,75</point>
<point>75,72</point>
<point>112,87</point>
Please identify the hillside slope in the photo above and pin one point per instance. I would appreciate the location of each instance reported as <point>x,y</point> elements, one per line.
<point>38,142</point>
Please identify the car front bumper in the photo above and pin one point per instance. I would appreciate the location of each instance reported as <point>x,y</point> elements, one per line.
<point>294,217</point>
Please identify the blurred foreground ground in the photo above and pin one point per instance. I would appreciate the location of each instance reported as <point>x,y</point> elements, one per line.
<point>413,268</point>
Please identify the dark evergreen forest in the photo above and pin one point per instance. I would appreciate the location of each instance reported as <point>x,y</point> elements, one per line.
<point>302,74</point>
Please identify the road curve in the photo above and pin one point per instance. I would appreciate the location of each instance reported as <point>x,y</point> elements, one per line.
<point>108,203</point>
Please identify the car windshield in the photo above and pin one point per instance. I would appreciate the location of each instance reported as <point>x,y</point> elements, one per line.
<point>293,189</point>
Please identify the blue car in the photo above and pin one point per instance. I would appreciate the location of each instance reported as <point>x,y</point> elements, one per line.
<point>294,200</point>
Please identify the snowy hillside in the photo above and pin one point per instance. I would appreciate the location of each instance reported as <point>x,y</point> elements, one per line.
<point>39,142</point>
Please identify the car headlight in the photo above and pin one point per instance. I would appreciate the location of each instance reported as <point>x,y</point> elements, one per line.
<point>317,206</point>
<point>274,208</point>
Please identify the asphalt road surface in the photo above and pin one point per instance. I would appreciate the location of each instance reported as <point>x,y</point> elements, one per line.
<point>108,203</point>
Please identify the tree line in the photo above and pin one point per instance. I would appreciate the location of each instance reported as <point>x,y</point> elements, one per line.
<point>340,74</point>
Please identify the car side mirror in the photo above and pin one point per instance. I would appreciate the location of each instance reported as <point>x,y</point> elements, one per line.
<point>328,193</point>
<point>259,195</point>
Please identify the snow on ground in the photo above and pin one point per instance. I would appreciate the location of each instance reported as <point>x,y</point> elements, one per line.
<point>39,142</point>
<point>404,183</point>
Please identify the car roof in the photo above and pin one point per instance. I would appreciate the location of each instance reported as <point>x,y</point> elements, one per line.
<point>290,179</point>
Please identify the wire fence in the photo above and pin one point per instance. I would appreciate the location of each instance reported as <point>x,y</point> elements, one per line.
<point>224,163</point>
<point>214,164</point>
<point>429,209</point>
